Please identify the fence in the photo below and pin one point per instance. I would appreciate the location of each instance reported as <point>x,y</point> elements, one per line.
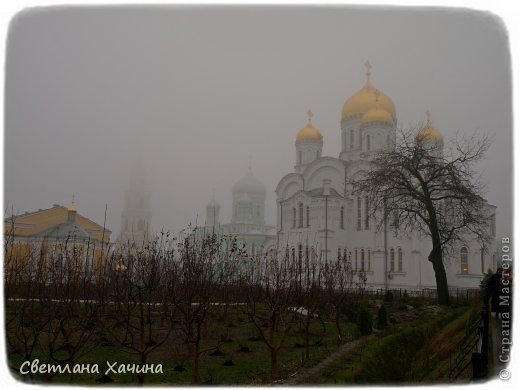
<point>476,343</point>
<point>461,295</point>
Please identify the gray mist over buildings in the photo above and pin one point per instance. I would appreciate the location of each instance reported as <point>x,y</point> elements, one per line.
<point>189,94</point>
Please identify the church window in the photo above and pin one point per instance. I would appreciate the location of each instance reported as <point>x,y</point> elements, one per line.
<point>294,217</point>
<point>483,259</point>
<point>392,260</point>
<point>464,260</point>
<point>367,225</point>
<point>369,260</point>
<point>362,260</point>
<point>399,260</point>
<point>358,213</point>
<point>351,139</point>
<point>300,209</point>
<point>306,252</point>
<point>344,254</point>
<point>368,141</point>
<point>355,259</point>
<point>342,218</point>
<point>293,254</point>
<point>300,252</point>
<point>308,216</point>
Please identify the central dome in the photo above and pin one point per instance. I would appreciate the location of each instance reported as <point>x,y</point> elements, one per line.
<point>249,184</point>
<point>366,98</point>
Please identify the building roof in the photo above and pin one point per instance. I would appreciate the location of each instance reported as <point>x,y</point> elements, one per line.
<point>32,224</point>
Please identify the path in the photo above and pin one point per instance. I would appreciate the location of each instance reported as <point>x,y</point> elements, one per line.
<point>302,376</point>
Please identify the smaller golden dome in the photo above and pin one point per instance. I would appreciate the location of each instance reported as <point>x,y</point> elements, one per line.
<point>429,132</point>
<point>309,132</point>
<point>377,115</point>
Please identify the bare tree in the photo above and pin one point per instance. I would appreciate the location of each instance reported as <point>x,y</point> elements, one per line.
<point>429,190</point>
<point>338,282</point>
<point>138,315</point>
<point>194,282</point>
<point>269,287</point>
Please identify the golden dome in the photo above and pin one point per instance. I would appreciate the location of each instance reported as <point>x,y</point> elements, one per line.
<point>377,115</point>
<point>429,132</point>
<point>365,99</point>
<point>309,132</point>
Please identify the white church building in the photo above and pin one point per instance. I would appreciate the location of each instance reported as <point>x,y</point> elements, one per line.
<point>318,211</point>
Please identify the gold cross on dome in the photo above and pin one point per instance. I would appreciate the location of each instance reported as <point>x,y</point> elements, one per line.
<point>428,117</point>
<point>368,68</point>
<point>309,115</point>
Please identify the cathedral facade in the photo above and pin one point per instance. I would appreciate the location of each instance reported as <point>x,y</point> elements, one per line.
<point>318,211</point>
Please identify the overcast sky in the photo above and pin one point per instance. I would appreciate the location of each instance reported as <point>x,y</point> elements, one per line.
<point>191,92</point>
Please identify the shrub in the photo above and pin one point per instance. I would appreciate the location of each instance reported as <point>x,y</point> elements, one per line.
<point>382,322</point>
<point>365,321</point>
<point>389,296</point>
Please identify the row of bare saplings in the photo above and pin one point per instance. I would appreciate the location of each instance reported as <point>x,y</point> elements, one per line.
<point>62,303</point>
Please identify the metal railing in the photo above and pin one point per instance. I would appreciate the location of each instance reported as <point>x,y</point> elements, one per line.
<point>476,345</point>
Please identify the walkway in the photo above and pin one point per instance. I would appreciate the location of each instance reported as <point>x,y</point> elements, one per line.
<point>305,374</point>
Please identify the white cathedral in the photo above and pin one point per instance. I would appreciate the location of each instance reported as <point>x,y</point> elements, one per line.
<point>317,210</point>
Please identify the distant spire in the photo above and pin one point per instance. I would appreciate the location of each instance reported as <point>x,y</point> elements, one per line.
<point>368,68</point>
<point>72,206</point>
<point>309,116</point>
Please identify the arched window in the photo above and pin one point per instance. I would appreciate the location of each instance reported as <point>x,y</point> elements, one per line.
<point>359,213</point>
<point>342,218</point>
<point>300,209</point>
<point>306,252</point>
<point>294,217</point>
<point>399,259</point>
<point>308,216</point>
<point>293,254</point>
<point>344,254</point>
<point>362,259</point>
<point>300,252</point>
<point>351,139</point>
<point>367,224</point>
<point>392,260</point>
<point>368,141</point>
<point>464,260</point>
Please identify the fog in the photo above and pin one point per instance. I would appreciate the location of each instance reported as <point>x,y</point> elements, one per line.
<point>190,93</point>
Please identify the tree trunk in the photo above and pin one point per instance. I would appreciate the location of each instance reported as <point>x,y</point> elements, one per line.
<point>274,364</point>
<point>196,375</point>
<point>435,257</point>
<point>338,326</point>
